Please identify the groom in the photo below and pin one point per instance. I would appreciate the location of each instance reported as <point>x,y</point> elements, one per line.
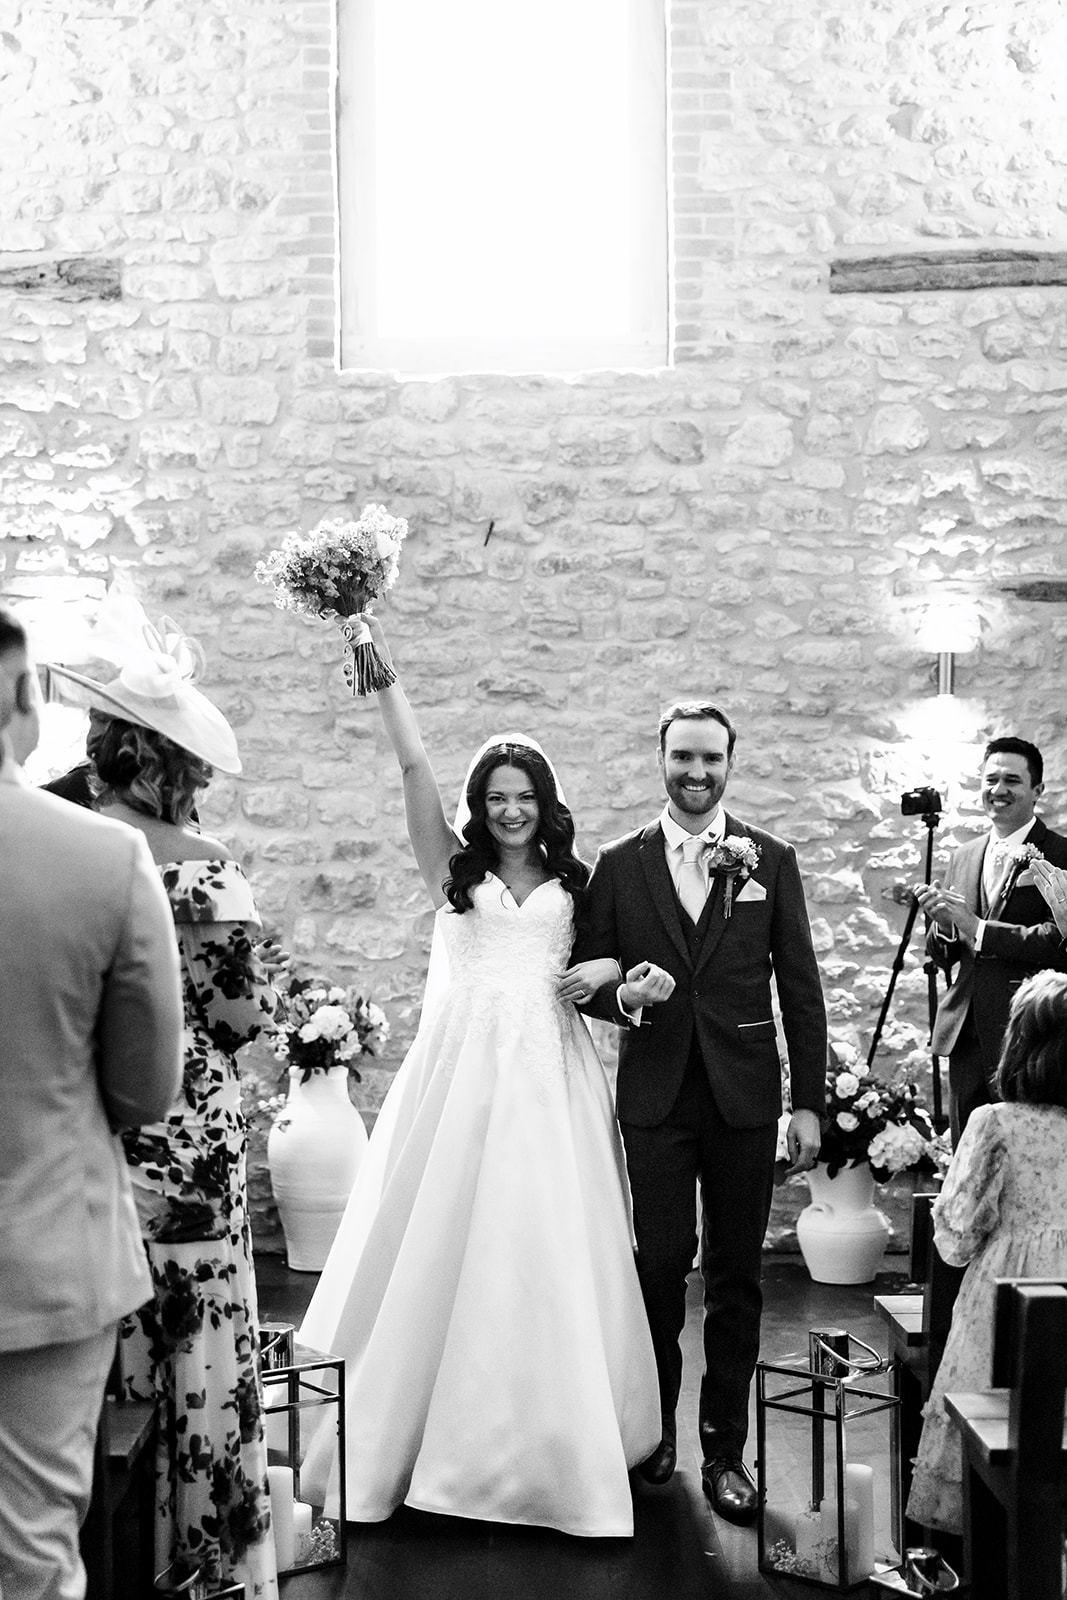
<point>699,1083</point>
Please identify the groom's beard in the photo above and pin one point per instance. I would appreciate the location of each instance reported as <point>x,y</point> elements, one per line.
<point>695,802</point>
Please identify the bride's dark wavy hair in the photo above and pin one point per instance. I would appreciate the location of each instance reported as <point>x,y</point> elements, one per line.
<point>555,830</point>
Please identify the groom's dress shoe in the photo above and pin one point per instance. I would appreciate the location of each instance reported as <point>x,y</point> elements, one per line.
<point>729,1488</point>
<point>659,1467</point>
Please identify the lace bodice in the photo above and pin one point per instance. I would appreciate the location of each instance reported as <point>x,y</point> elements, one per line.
<point>500,943</point>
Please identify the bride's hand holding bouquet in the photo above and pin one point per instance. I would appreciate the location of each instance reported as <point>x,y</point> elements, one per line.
<point>334,572</point>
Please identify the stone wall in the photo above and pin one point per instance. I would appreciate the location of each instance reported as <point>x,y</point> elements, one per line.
<point>766,522</point>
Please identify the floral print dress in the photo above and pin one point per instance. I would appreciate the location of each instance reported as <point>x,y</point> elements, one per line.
<point>1002,1213</point>
<point>194,1347</point>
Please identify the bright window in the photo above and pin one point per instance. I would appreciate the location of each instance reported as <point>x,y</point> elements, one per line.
<point>502,174</point>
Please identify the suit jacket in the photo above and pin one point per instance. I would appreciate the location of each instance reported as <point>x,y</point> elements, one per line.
<point>90,1040</point>
<point>722,990</point>
<point>1020,938</point>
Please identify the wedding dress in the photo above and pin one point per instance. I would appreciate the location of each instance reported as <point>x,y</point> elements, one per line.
<point>481,1286</point>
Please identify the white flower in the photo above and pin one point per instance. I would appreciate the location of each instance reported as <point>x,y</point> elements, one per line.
<point>868,1102</point>
<point>847,1122</point>
<point>896,1147</point>
<point>336,996</point>
<point>328,1022</point>
<point>847,1083</point>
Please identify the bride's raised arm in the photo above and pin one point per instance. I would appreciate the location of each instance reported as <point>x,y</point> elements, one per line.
<point>432,840</point>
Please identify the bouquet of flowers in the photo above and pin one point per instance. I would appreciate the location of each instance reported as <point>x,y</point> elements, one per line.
<point>327,1026</point>
<point>885,1124</point>
<point>735,857</point>
<point>335,571</point>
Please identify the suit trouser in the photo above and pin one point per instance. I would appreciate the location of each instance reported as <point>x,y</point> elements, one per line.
<point>735,1169</point>
<point>968,1085</point>
<point>50,1403</point>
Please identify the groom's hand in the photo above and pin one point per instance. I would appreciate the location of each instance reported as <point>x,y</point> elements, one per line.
<point>645,985</point>
<point>802,1139</point>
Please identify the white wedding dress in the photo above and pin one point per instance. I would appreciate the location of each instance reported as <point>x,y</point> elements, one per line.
<point>481,1286</point>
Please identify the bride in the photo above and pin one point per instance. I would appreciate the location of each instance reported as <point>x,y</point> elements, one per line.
<point>481,1286</point>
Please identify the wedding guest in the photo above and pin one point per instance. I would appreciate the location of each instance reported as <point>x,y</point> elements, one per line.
<point>194,1346</point>
<point>91,1011</point>
<point>481,1286</point>
<point>991,927</point>
<point>1001,1214</point>
<point>720,905</point>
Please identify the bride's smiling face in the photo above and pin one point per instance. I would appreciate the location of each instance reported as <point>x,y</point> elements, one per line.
<point>511,810</point>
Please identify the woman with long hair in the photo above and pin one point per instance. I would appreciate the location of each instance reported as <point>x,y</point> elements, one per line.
<point>481,1286</point>
<point>194,1348</point>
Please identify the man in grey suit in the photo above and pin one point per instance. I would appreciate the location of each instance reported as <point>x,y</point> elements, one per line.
<point>719,905</point>
<point>991,926</point>
<point>90,1041</point>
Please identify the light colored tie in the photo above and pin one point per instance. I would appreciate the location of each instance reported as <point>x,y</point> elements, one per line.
<point>996,855</point>
<point>692,883</point>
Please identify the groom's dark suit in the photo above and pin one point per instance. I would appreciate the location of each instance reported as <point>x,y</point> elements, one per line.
<point>1020,937</point>
<point>707,1059</point>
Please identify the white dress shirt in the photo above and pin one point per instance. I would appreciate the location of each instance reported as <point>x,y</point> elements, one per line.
<point>674,836</point>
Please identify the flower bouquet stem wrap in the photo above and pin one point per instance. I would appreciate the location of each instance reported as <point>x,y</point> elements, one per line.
<point>335,572</point>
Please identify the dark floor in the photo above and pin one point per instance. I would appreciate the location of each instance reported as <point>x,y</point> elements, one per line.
<point>680,1549</point>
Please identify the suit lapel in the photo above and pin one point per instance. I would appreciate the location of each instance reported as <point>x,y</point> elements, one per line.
<point>658,877</point>
<point>970,860</point>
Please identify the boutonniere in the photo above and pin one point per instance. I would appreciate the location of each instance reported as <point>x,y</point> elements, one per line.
<point>1019,861</point>
<point>734,857</point>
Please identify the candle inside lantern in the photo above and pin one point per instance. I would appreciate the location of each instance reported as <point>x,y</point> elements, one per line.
<point>301,1531</point>
<point>280,1483</point>
<point>859,1520</point>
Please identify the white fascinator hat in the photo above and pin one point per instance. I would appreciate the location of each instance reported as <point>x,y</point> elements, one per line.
<point>155,683</point>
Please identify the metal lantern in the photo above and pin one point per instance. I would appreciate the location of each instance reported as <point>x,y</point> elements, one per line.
<point>828,1470</point>
<point>303,1394</point>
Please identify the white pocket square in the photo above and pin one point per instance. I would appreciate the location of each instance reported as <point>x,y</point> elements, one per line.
<point>751,891</point>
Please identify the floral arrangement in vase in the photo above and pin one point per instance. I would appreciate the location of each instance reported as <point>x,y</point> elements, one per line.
<point>327,1026</point>
<point>869,1120</point>
<point>334,572</point>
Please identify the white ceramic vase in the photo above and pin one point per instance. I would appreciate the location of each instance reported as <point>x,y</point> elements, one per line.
<point>314,1152</point>
<point>842,1234</point>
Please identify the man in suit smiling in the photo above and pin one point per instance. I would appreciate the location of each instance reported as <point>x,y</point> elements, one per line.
<point>991,926</point>
<point>720,906</point>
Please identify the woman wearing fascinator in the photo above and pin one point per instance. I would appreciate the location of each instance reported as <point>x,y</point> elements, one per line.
<point>481,1286</point>
<point>193,1348</point>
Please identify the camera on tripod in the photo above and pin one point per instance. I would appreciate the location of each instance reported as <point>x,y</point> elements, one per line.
<point>920,803</point>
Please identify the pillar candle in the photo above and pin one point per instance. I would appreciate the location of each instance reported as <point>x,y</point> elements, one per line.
<point>859,1521</point>
<point>280,1483</point>
<point>301,1530</point>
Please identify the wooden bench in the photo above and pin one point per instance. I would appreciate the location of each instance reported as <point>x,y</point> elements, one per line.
<point>917,1325</point>
<point>1015,1452</point>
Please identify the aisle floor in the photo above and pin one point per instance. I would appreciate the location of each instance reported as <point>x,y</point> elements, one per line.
<point>680,1549</point>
